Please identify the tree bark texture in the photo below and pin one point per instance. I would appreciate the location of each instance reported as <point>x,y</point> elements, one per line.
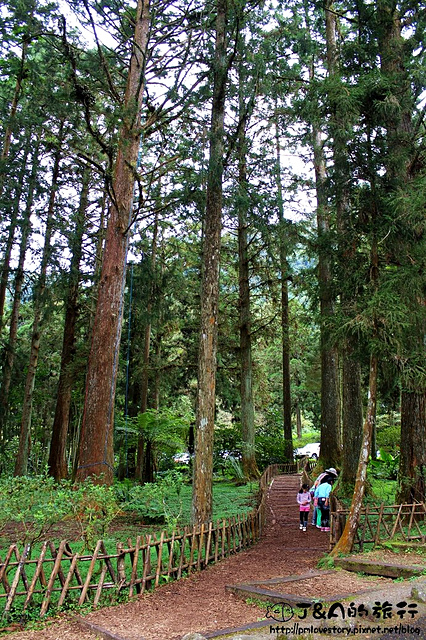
<point>412,467</point>
<point>96,455</point>
<point>352,417</point>
<point>9,355</point>
<point>142,452</point>
<point>246,384</point>
<point>205,414</point>
<point>21,462</point>
<point>57,462</point>
<point>285,324</point>
<point>12,225</point>
<point>330,386</point>
<point>346,541</point>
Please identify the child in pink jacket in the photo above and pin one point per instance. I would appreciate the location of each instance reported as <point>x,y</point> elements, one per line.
<point>304,501</point>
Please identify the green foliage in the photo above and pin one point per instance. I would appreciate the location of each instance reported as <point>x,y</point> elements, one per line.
<point>156,502</point>
<point>93,507</point>
<point>234,470</point>
<point>37,503</point>
<point>33,503</point>
<point>386,466</point>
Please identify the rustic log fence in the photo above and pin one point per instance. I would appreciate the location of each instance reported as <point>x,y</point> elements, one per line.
<point>60,575</point>
<point>379,523</point>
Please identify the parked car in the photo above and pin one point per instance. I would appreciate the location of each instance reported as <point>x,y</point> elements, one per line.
<point>182,458</point>
<point>311,450</point>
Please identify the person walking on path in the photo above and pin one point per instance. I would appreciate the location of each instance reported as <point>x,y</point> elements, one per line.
<point>322,494</point>
<point>304,501</point>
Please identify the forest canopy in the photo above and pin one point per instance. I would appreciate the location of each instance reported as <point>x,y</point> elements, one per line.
<point>212,236</point>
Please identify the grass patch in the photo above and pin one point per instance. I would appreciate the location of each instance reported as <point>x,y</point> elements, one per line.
<point>384,490</point>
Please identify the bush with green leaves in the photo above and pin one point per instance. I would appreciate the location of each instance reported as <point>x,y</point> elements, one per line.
<point>386,466</point>
<point>36,503</point>
<point>157,502</point>
<point>93,507</point>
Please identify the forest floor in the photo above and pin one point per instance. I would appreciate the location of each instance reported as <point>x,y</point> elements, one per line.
<point>203,603</point>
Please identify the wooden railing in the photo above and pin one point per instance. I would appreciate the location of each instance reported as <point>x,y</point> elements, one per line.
<point>380,523</point>
<point>60,575</point>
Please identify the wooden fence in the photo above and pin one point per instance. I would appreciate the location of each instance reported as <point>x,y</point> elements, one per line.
<point>60,575</point>
<point>379,523</point>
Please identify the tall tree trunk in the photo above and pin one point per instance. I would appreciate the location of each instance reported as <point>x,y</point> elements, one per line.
<point>19,281</point>
<point>246,385</point>
<point>352,417</point>
<point>21,462</point>
<point>205,414</point>
<point>346,541</point>
<point>5,269</point>
<point>330,387</point>
<point>285,324</point>
<point>142,460</point>
<point>330,377</point>
<point>13,109</point>
<point>96,456</point>
<point>399,172</point>
<point>412,466</point>
<point>351,391</point>
<point>57,462</point>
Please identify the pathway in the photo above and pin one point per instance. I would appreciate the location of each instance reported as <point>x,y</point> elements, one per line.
<point>201,602</point>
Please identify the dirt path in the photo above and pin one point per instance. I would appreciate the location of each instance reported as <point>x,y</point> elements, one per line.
<point>200,602</point>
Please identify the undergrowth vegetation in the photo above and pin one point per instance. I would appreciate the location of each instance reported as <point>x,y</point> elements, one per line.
<point>35,505</point>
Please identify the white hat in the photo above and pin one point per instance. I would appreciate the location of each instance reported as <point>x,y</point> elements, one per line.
<point>332,470</point>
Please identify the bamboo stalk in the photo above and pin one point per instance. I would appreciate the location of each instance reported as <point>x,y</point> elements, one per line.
<point>90,572</point>
<point>159,559</point>
<point>216,540</point>
<point>37,572</point>
<point>208,544</point>
<point>135,567</point>
<point>171,550</point>
<point>68,579</point>
<point>121,573</point>
<point>55,571</point>
<point>147,563</point>
<point>200,547</point>
<point>15,581</point>
<point>396,522</point>
<point>100,585</point>
<point>3,568</point>
<point>182,553</point>
<point>379,522</point>
<point>191,556</point>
